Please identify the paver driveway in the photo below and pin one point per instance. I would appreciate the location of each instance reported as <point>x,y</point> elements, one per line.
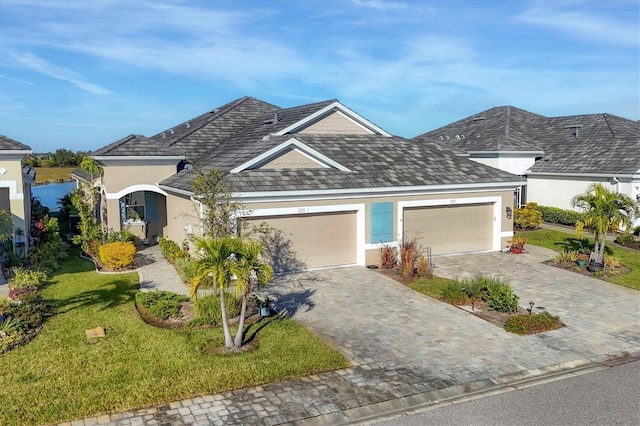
<point>384,326</point>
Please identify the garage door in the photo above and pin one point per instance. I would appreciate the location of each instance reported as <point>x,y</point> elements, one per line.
<point>451,229</point>
<point>310,240</point>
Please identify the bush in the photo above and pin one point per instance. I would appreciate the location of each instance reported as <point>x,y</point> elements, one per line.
<point>47,255</point>
<point>534,323</point>
<point>527,218</point>
<point>423,269</point>
<point>568,256</point>
<point>208,308</point>
<point>501,298</point>
<point>625,238</point>
<point>23,277</point>
<point>187,268</point>
<point>388,257</point>
<point>112,236</point>
<point>161,304</point>
<point>560,216</point>
<point>5,304</point>
<point>409,250</point>
<point>117,255</point>
<point>636,231</point>
<point>21,293</point>
<point>452,293</point>
<point>171,250</point>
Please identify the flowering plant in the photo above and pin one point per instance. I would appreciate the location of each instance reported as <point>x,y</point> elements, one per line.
<point>517,243</point>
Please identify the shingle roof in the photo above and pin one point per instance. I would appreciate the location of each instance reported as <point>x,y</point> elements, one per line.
<point>604,143</point>
<point>374,161</point>
<point>9,144</point>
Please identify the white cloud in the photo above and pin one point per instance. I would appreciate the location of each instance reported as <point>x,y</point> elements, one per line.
<point>380,5</point>
<point>44,67</point>
<point>584,24</point>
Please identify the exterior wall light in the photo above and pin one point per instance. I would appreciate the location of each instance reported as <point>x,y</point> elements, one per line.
<point>509,212</point>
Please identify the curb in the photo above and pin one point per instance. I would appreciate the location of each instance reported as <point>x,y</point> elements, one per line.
<point>426,401</point>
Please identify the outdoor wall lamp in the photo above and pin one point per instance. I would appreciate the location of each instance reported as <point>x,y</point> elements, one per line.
<point>509,212</point>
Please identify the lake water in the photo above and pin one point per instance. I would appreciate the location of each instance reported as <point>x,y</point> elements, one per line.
<point>49,194</point>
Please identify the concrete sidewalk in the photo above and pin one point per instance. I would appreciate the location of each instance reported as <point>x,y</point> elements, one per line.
<point>408,350</point>
<point>156,273</point>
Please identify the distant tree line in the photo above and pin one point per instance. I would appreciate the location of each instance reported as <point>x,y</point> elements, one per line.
<point>60,158</point>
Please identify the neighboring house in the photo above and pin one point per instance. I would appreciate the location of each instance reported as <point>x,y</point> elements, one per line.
<point>560,156</point>
<point>334,185</point>
<point>15,189</point>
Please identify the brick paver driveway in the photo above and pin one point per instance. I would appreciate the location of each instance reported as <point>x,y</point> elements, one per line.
<point>383,326</point>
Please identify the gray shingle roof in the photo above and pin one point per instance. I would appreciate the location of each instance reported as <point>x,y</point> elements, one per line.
<point>374,161</point>
<point>605,143</point>
<point>8,144</point>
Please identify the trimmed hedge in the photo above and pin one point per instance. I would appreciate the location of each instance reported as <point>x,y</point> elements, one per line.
<point>560,216</point>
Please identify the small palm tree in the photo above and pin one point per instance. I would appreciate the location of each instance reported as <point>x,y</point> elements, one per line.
<point>219,260</point>
<point>6,226</point>
<point>603,209</point>
<point>253,270</point>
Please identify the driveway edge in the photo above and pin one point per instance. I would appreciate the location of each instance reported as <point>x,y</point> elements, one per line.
<point>421,402</point>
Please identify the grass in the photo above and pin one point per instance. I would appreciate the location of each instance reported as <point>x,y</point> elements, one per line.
<point>59,376</point>
<point>432,286</point>
<point>46,174</point>
<point>561,241</point>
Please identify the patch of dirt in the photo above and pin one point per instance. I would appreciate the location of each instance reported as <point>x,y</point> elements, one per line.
<point>607,273</point>
<point>634,246</point>
<point>187,313</point>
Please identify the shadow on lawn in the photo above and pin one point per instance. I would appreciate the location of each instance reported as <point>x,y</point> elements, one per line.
<point>114,293</point>
<point>580,244</point>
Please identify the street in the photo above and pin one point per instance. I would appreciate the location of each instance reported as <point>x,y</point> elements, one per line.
<point>606,397</point>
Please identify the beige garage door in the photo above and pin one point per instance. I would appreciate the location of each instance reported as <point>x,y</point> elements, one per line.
<point>310,240</point>
<point>451,229</point>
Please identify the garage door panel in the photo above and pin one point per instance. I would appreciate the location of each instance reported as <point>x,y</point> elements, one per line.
<point>451,229</point>
<point>311,240</point>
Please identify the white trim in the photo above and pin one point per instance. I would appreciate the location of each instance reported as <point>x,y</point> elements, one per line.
<point>292,211</point>
<point>310,152</point>
<point>506,234</point>
<point>134,188</point>
<point>513,153</point>
<point>137,157</point>
<point>16,151</point>
<point>378,246</point>
<point>406,190</point>
<point>338,107</point>
<point>176,190</point>
<point>584,175</point>
<point>13,189</point>
<point>497,212</point>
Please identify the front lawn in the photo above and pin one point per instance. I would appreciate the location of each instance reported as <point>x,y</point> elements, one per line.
<point>56,174</point>
<point>59,376</point>
<point>561,241</point>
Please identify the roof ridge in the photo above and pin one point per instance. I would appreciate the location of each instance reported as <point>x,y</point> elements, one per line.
<point>327,101</point>
<point>117,143</point>
<point>609,125</point>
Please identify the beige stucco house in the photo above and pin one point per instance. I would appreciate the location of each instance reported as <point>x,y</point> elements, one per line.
<point>335,185</point>
<point>15,189</point>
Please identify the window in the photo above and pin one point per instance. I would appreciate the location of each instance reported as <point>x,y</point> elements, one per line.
<point>133,207</point>
<point>381,222</point>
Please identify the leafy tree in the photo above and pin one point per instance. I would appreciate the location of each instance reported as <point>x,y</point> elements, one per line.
<point>63,158</point>
<point>603,209</point>
<point>212,190</point>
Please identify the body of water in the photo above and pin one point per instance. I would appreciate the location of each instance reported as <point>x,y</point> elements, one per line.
<point>49,194</point>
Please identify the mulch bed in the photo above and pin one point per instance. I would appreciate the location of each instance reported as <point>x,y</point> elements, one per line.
<point>188,313</point>
<point>607,272</point>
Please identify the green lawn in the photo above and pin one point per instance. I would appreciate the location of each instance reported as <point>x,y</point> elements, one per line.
<point>430,286</point>
<point>45,174</point>
<point>59,376</point>
<point>560,241</point>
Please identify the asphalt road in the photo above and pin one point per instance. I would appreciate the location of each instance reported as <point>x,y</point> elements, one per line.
<point>605,397</point>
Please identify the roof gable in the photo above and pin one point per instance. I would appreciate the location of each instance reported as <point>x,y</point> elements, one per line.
<point>8,144</point>
<point>292,144</point>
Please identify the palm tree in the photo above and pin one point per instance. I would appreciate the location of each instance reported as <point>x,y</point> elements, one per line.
<point>253,270</point>
<point>219,260</point>
<point>603,209</point>
<point>6,226</point>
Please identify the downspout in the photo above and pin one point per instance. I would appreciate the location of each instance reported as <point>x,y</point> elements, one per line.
<point>200,213</point>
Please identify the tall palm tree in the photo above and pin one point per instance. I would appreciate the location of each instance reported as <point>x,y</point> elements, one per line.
<point>253,270</point>
<point>603,209</point>
<point>219,260</point>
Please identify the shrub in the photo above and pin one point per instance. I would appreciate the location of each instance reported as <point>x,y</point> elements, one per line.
<point>171,250</point>
<point>161,304</point>
<point>636,231</point>
<point>568,256</point>
<point>501,298</point>
<point>47,255</point>
<point>117,255</point>
<point>408,253</point>
<point>186,268</point>
<point>517,243</point>
<point>8,326</point>
<point>452,293</point>
<point>5,304</point>
<point>534,323</point>
<point>388,257</point>
<point>20,293</point>
<point>208,308</point>
<point>625,238</point>
<point>31,314</point>
<point>561,216</point>
<point>23,277</point>
<point>527,218</point>
<point>424,269</point>
<point>112,236</point>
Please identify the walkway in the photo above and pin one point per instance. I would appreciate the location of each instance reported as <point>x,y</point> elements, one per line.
<point>156,273</point>
<point>408,349</point>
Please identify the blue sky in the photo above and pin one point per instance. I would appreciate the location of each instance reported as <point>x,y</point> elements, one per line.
<point>82,74</point>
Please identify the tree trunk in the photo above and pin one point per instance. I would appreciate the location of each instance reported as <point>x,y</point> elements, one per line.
<point>601,254</point>
<point>240,332</point>
<point>228,341</point>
